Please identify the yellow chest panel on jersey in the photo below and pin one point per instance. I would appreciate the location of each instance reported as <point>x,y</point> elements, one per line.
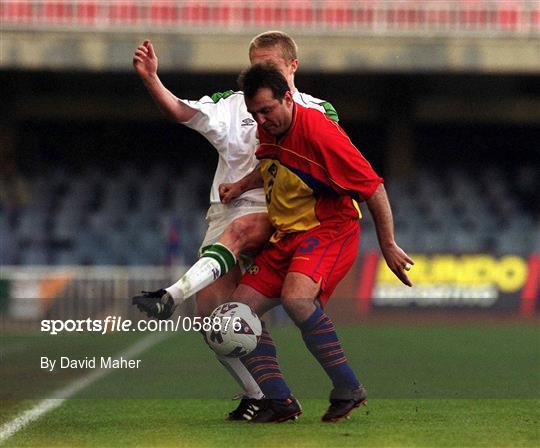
<point>290,202</point>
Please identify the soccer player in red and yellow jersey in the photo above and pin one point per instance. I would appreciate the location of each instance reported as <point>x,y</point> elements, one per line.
<point>312,174</point>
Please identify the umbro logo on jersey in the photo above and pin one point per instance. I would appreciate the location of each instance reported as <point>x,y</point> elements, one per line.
<point>248,122</point>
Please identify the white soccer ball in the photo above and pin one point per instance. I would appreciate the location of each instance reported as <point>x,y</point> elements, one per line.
<point>235,330</point>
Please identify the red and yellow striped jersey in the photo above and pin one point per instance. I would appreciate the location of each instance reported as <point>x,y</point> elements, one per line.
<point>312,173</point>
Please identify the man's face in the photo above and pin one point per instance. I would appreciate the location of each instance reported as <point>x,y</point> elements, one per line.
<point>273,116</point>
<point>274,56</point>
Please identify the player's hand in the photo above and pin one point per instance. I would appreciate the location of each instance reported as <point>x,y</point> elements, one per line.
<point>228,192</point>
<point>398,262</point>
<point>158,304</point>
<point>145,60</point>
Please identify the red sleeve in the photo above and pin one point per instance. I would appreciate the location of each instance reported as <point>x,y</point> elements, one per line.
<point>347,171</point>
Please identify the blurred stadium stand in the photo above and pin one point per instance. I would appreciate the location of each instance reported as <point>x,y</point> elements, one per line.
<point>121,219</point>
<point>139,218</point>
<point>369,16</point>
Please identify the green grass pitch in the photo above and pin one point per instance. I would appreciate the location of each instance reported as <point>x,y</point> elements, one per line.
<point>455,385</point>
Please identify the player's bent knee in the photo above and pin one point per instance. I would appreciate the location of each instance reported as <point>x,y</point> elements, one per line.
<point>250,231</point>
<point>240,226</point>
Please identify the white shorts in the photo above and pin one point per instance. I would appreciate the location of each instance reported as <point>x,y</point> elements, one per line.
<point>220,216</point>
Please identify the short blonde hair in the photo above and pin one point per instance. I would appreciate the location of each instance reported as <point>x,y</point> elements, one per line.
<point>270,39</point>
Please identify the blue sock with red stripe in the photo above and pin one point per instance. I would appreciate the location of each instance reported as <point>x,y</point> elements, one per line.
<point>322,341</point>
<point>263,365</point>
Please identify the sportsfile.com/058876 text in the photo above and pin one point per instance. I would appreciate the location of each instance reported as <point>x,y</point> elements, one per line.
<point>117,323</point>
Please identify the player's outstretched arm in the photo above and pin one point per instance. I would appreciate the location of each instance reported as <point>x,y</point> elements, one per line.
<point>230,191</point>
<point>145,63</point>
<point>396,259</point>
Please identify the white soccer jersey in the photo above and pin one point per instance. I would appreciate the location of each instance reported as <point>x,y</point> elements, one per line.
<point>224,121</point>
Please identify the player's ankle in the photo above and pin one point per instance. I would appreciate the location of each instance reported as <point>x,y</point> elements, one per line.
<point>175,291</point>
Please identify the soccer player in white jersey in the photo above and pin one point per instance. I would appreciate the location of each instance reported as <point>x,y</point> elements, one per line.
<point>237,227</point>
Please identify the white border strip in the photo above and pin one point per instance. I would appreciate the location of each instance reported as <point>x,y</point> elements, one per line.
<point>61,395</point>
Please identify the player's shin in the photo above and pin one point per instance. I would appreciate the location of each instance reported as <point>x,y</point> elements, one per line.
<point>242,376</point>
<point>263,365</point>
<point>322,341</point>
<point>216,260</point>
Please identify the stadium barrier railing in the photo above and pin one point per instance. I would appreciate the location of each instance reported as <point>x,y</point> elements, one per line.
<point>505,285</point>
<point>31,293</point>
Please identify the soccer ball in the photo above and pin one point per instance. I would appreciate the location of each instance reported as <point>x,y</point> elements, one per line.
<point>235,330</point>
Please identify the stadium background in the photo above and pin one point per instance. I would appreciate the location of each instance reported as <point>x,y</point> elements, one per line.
<point>101,197</point>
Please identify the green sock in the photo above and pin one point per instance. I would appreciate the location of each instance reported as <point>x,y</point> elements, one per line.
<point>215,261</point>
<point>222,255</point>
